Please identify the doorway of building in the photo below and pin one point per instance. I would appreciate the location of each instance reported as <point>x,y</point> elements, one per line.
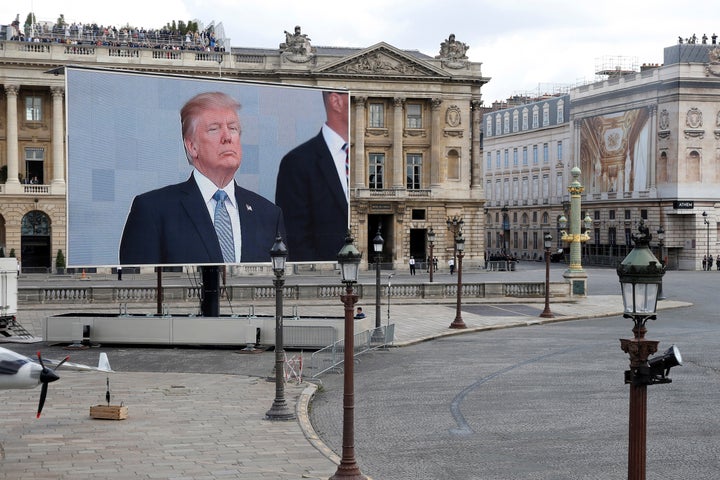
<point>418,247</point>
<point>35,256</point>
<point>385,222</point>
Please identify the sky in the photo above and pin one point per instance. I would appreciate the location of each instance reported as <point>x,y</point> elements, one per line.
<point>526,47</point>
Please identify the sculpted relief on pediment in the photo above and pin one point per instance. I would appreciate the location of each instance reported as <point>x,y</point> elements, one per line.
<point>381,63</point>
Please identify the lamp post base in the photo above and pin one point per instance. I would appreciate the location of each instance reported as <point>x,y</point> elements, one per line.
<point>348,473</point>
<point>280,411</point>
<point>458,323</point>
<point>547,314</point>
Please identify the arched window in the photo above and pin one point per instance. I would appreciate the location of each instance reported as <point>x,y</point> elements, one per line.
<point>35,223</point>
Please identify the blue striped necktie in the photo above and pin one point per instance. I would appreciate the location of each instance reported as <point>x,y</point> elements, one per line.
<point>347,165</point>
<point>223,227</point>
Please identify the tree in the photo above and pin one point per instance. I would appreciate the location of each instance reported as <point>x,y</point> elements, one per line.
<point>60,263</point>
<point>30,19</point>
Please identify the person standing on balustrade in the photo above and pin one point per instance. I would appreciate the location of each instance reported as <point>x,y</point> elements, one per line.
<point>208,219</point>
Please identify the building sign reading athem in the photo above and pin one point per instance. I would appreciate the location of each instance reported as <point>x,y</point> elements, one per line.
<point>683,204</point>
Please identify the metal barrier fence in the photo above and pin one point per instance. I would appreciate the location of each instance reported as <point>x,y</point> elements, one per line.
<point>330,357</point>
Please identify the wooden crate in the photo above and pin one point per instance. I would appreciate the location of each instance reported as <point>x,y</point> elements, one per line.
<point>109,412</point>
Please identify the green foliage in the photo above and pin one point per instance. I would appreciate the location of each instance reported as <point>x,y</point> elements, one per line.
<point>3,174</point>
<point>182,27</point>
<point>60,260</point>
<point>30,19</point>
<point>12,253</point>
<point>2,252</point>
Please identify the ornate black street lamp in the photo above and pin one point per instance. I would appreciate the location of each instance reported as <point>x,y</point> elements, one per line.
<point>431,241</point>
<point>349,260</point>
<point>455,225</point>
<point>279,409</point>
<point>640,276</point>
<point>548,243</point>
<point>460,248</point>
<point>378,248</point>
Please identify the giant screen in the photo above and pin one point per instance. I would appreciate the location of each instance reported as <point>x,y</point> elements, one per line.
<point>134,199</point>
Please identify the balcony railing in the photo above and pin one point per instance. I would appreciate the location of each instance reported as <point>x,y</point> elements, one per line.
<point>391,192</point>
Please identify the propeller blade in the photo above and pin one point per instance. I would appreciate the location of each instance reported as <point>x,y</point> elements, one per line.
<point>43,394</point>
<point>47,375</point>
<point>63,361</point>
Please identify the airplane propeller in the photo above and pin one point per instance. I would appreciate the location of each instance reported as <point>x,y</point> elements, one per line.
<point>47,375</point>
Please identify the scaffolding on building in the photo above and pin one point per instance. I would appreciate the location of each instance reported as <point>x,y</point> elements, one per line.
<point>609,67</point>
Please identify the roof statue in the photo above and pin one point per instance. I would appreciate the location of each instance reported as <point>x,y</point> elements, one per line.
<point>453,53</point>
<point>297,46</point>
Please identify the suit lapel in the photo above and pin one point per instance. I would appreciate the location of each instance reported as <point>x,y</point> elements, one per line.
<point>248,222</point>
<point>326,165</point>
<point>197,213</point>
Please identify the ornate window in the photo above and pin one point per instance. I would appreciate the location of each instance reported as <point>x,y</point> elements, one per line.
<point>35,223</point>
<point>376,166</point>
<point>33,108</point>
<point>413,112</point>
<point>414,171</point>
<point>559,151</point>
<point>377,115</point>
<point>560,112</point>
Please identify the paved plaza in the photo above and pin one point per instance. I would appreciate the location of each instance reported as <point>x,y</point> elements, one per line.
<point>200,413</point>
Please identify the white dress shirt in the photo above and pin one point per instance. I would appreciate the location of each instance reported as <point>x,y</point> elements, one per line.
<point>335,143</point>
<point>208,189</point>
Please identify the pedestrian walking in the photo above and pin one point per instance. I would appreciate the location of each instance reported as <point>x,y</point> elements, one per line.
<point>412,265</point>
<point>704,263</point>
<point>710,263</point>
<point>451,264</point>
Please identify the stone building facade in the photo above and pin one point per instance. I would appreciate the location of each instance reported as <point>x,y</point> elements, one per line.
<point>648,145</point>
<point>415,134</point>
<point>527,172</point>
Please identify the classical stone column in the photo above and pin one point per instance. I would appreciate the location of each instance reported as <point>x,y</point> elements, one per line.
<point>398,160</point>
<point>358,167</point>
<point>476,162</point>
<point>11,93</point>
<point>58,152</point>
<point>436,135</point>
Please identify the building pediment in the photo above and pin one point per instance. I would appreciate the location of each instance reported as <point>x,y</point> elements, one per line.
<point>385,60</point>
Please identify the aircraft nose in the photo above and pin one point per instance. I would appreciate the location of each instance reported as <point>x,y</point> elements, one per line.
<point>48,376</point>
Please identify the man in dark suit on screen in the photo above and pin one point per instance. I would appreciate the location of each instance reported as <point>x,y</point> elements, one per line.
<point>207,219</point>
<point>312,187</point>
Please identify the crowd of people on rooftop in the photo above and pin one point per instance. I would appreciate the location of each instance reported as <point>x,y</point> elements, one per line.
<point>694,39</point>
<point>77,33</point>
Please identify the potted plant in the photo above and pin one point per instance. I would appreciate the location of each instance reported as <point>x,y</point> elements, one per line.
<point>60,263</point>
